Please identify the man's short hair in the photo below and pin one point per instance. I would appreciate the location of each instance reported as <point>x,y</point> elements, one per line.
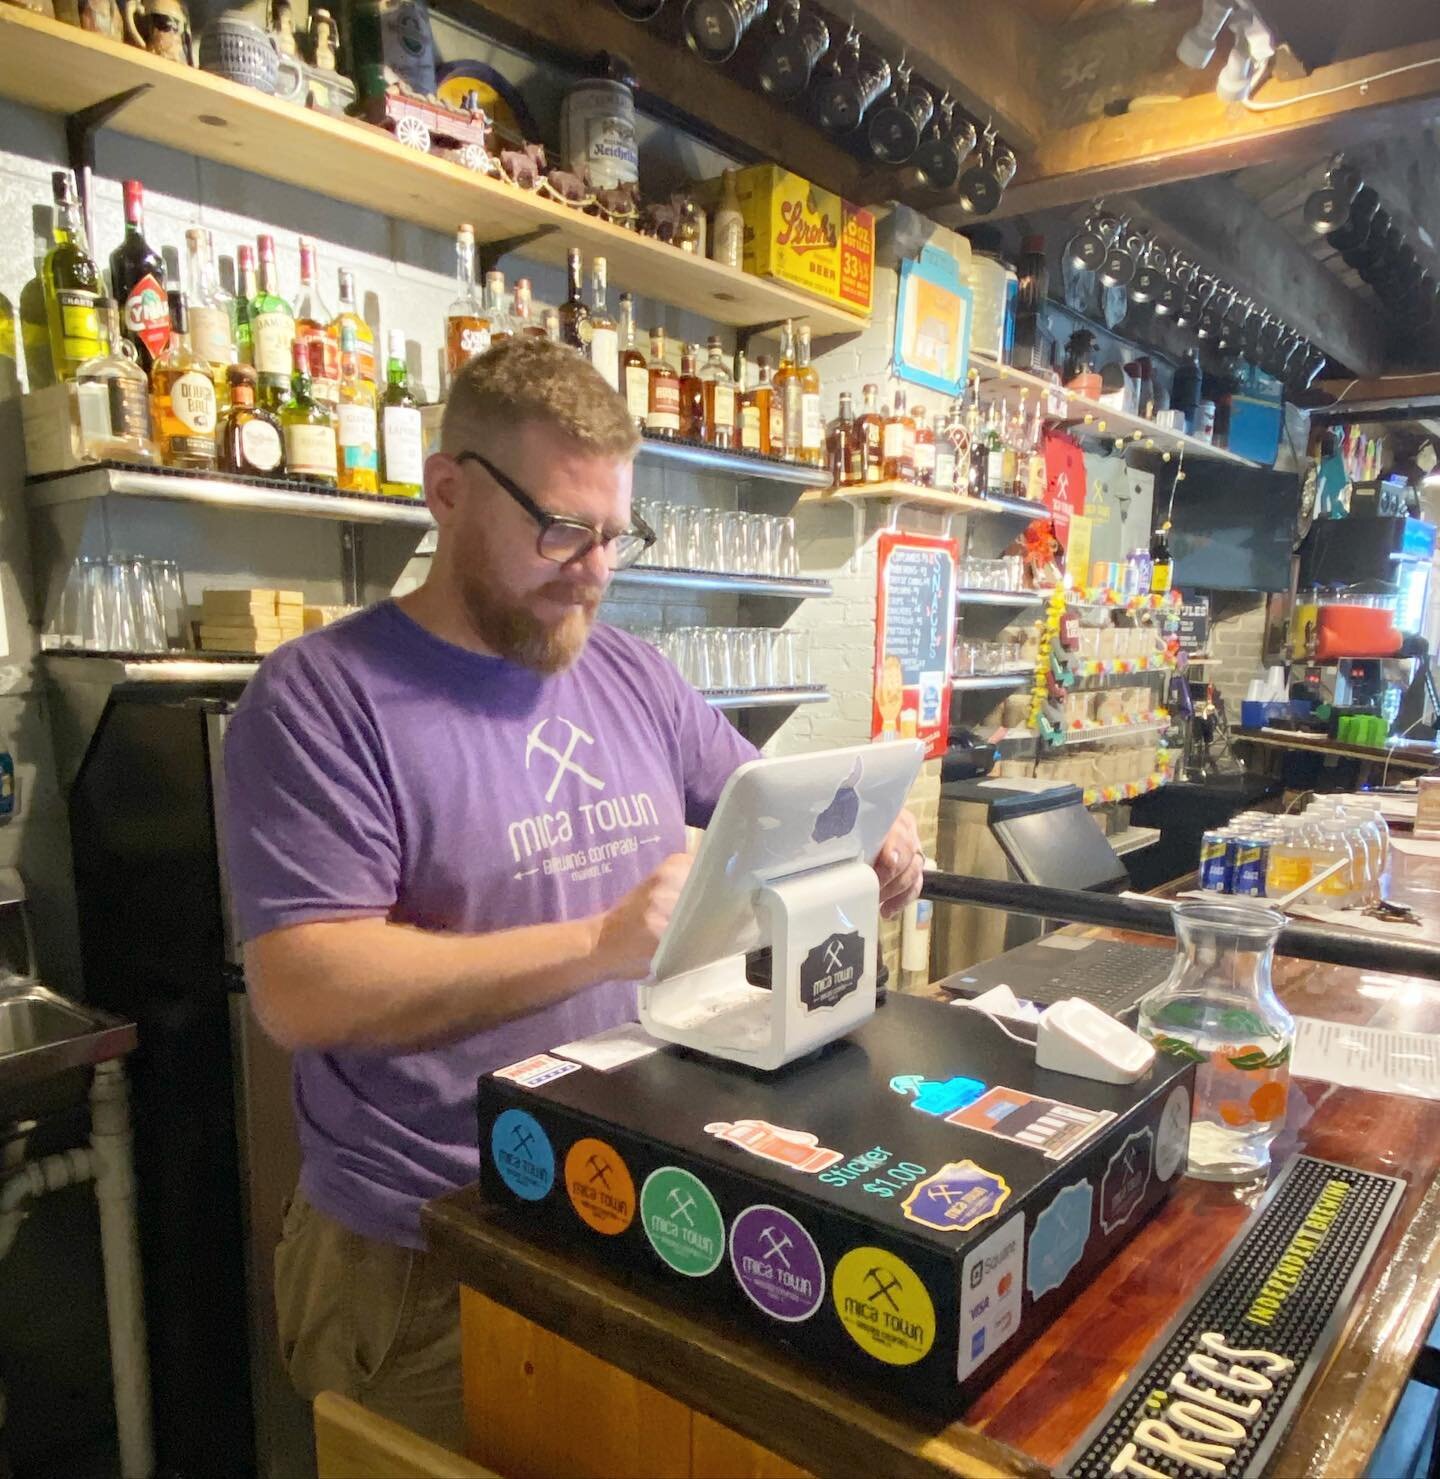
<point>536,380</point>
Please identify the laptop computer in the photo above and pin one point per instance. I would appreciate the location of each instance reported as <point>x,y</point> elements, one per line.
<point>1113,974</point>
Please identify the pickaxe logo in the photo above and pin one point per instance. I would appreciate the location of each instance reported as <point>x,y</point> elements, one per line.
<point>599,1171</point>
<point>885,1285</point>
<point>522,1140</point>
<point>834,955</point>
<point>564,763</point>
<point>775,1247</point>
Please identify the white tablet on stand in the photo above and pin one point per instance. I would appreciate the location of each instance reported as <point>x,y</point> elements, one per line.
<point>785,862</point>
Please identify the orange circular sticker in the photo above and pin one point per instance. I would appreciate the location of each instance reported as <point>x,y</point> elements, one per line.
<point>599,1186</point>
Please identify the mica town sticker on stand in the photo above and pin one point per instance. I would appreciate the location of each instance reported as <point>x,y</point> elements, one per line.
<point>777,1263</point>
<point>1058,1239</point>
<point>599,1186</point>
<point>959,1196</point>
<point>883,1305</point>
<point>1122,1188</point>
<point>522,1154</point>
<point>682,1221</point>
<point>799,1150</point>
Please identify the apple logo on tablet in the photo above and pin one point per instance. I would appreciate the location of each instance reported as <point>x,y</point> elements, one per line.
<point>839,817</point>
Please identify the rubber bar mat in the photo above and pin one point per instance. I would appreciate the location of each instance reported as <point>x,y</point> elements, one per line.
<point>1215,1393</point>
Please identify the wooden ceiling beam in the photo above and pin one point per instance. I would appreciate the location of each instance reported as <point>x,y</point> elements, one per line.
<point>1191,137</point>
<point>1228,234</point>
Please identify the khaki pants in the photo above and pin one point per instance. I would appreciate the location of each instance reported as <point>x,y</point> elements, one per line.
<point>378,1323</point>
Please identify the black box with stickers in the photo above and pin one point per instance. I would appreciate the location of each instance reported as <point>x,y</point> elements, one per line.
<point>912,1205</point>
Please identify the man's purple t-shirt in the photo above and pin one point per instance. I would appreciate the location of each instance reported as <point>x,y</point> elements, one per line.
<point>373,769</point>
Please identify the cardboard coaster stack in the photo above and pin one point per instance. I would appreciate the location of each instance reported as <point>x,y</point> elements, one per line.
<point>250,620</point>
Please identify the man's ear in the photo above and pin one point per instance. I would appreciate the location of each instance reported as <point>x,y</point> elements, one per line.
<point>443,477</point>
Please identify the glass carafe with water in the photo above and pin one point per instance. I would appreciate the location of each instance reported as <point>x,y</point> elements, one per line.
<point>1219,1010</point>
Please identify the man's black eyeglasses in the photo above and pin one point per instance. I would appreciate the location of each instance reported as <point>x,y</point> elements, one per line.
<point>565,539</point>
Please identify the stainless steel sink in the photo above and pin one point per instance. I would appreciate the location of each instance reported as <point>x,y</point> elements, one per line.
<point>46,1043</point>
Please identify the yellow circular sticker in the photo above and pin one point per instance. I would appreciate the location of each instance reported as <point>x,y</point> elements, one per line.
<point>599,1186</point>
<point>884,1306</point>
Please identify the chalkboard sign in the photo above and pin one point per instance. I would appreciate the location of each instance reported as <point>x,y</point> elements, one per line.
<point>914,636</point>
<point>1191,624</point>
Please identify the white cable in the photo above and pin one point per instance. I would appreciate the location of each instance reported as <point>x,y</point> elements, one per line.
<point>1260,106</point>
<point>1025,1042</point>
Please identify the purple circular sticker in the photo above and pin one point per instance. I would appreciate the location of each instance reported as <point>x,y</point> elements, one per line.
<point>777,1263</point>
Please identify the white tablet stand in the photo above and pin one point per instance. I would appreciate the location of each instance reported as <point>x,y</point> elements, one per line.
<point>823,927</point>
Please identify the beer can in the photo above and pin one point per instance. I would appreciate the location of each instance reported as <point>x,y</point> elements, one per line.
<point>1249,863</point>
<point>1215,861</point>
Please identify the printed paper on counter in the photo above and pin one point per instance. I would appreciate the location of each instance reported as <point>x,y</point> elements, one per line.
<point>1376,1058</point>
<point>613,1048</point>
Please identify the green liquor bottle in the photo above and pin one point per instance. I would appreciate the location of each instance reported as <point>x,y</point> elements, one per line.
<point>402,451</point>
<point>307,426</point>
<point>72,286</point>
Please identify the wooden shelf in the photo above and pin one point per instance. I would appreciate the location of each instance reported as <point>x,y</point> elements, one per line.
<point>895,492</point>
<point>59,68</point>
<point>1087,416</point>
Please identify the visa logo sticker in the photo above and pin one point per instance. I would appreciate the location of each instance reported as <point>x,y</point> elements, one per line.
<point>992,1274</point>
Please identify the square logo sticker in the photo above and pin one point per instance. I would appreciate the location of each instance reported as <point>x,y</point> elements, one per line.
<point>990,1283</point>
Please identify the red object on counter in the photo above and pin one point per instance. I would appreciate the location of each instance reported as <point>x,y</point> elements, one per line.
<point>1356,631</point>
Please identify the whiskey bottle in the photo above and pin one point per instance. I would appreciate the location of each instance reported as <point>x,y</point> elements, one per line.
<point>467,329</point>
<point>692,395</point>
<point>869,437</point>
<point>946,459</point>
<point>604,336</point>
<point>1010,451</point>
<point>272,329</point>
<point>524,324</point>
<point>634,373</point>
<point>71,284</point>
<point>123,394</point>
<point>574,314</point>
<point>924,455</point>
<point>663,416</point>
<point>313,325</point>
<point>496,310</point>
<point>244,311</point>
<point>994,453</point>
<point>356,429</point>
<point>402,451</point>
<point>307,425</point>
<point>137,282</point>
<point>349,314</point>
<point>839,437</point>
<point>250,437</point>
<point>718,390</point>
<point>211,309</point>
<point>812,422</point>
<point>1036,477</point>
<point>899,444</point>
<point>752,417</point>
<point>182,396</point>
<point>789,391</point>
<point>777,407</point>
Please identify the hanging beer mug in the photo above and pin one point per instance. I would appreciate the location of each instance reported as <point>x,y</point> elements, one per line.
<point>982,185</point>
<point>1209,319</point>
<point>800,38</point>
<point>1187,309</point>
<point>1122,257</point>
<point>1087,248</point>
<point>639,10</point>
<point>897,120</point>
<point>855,81</point>
<point>1357,220</point>
<point>1328,208</point>
<point>714,29</point>
<point>1149,271</point>
<point>938,159</point>
<point>1171,292</point>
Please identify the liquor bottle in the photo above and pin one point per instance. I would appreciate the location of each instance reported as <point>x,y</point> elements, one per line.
<point>994,453</point>
<point>137,283</point>
<point>634,372</point>
<point>211,309</point>
<point>718,390</point>
<point>314,325</point>
<point>1162,566</point>
<point>250,437</point>
<point>551,320</point>
<point>753,415</point>
<point>924,456</point>
<point>574,315</point>
<point>306,425</point>
<point>812,423</point>
<point>604,337</point>
<point>789,391</point>
<point>839,437</point>
<point>946,460</point>
<point>692,394</point>
<point>525,324</point>
<point>1009,451</point>
<point>402,452</point>
<point>467,329</point>
<point>182,396</point>
<point>899,443</point>
<point>71,286</point>
<point>496,309</point>
<point>777,408</point>
<point>272,329</point>
<point>125,392</point>
<point>244,312</point>
<point>727,242</point>
<point>1036,477</point>
<point>663,416</point>
<point>349,314</point>
<point>356,430</point>
<point>869,437</point>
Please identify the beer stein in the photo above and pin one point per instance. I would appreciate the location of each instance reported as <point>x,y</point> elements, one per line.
<point>853,84</point>
<point>1149,271</point>
<point>1122,258</point>
<point>1087,248</point>
<point>786,64</point>
<point>639,10</point>
<point>1171,292</point>
<point>897,120</point>
<point>714,28</point>
<point>948,143</point>
<point>1357,220</point>
<point>982,185</point>
<point>1328,208</point>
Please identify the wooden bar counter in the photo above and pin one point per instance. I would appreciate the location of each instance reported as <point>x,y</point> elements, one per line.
<point>568,1371</point>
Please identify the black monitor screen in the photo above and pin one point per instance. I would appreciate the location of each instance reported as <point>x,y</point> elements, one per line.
<point>1233,528</point>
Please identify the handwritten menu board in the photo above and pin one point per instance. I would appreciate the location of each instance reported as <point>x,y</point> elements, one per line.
<point>914,639</point>
<point>1191,624</point>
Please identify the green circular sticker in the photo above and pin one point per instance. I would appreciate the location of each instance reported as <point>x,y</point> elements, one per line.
<point>682,1221</point>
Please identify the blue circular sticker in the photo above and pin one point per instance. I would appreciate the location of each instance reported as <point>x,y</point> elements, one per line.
<point>523,1154</point>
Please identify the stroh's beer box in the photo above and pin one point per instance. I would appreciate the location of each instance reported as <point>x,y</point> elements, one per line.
<point>909,1207</point>
<point>807,237</point>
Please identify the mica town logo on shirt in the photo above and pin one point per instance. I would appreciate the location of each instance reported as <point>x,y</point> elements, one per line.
<point>581,840</point>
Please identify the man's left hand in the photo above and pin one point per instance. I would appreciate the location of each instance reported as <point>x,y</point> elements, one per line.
<point>900,865</point>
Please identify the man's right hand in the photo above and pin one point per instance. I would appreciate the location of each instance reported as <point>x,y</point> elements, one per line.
<point>630,931</point>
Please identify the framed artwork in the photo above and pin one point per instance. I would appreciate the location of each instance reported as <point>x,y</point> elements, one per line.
<point>932,323</point>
